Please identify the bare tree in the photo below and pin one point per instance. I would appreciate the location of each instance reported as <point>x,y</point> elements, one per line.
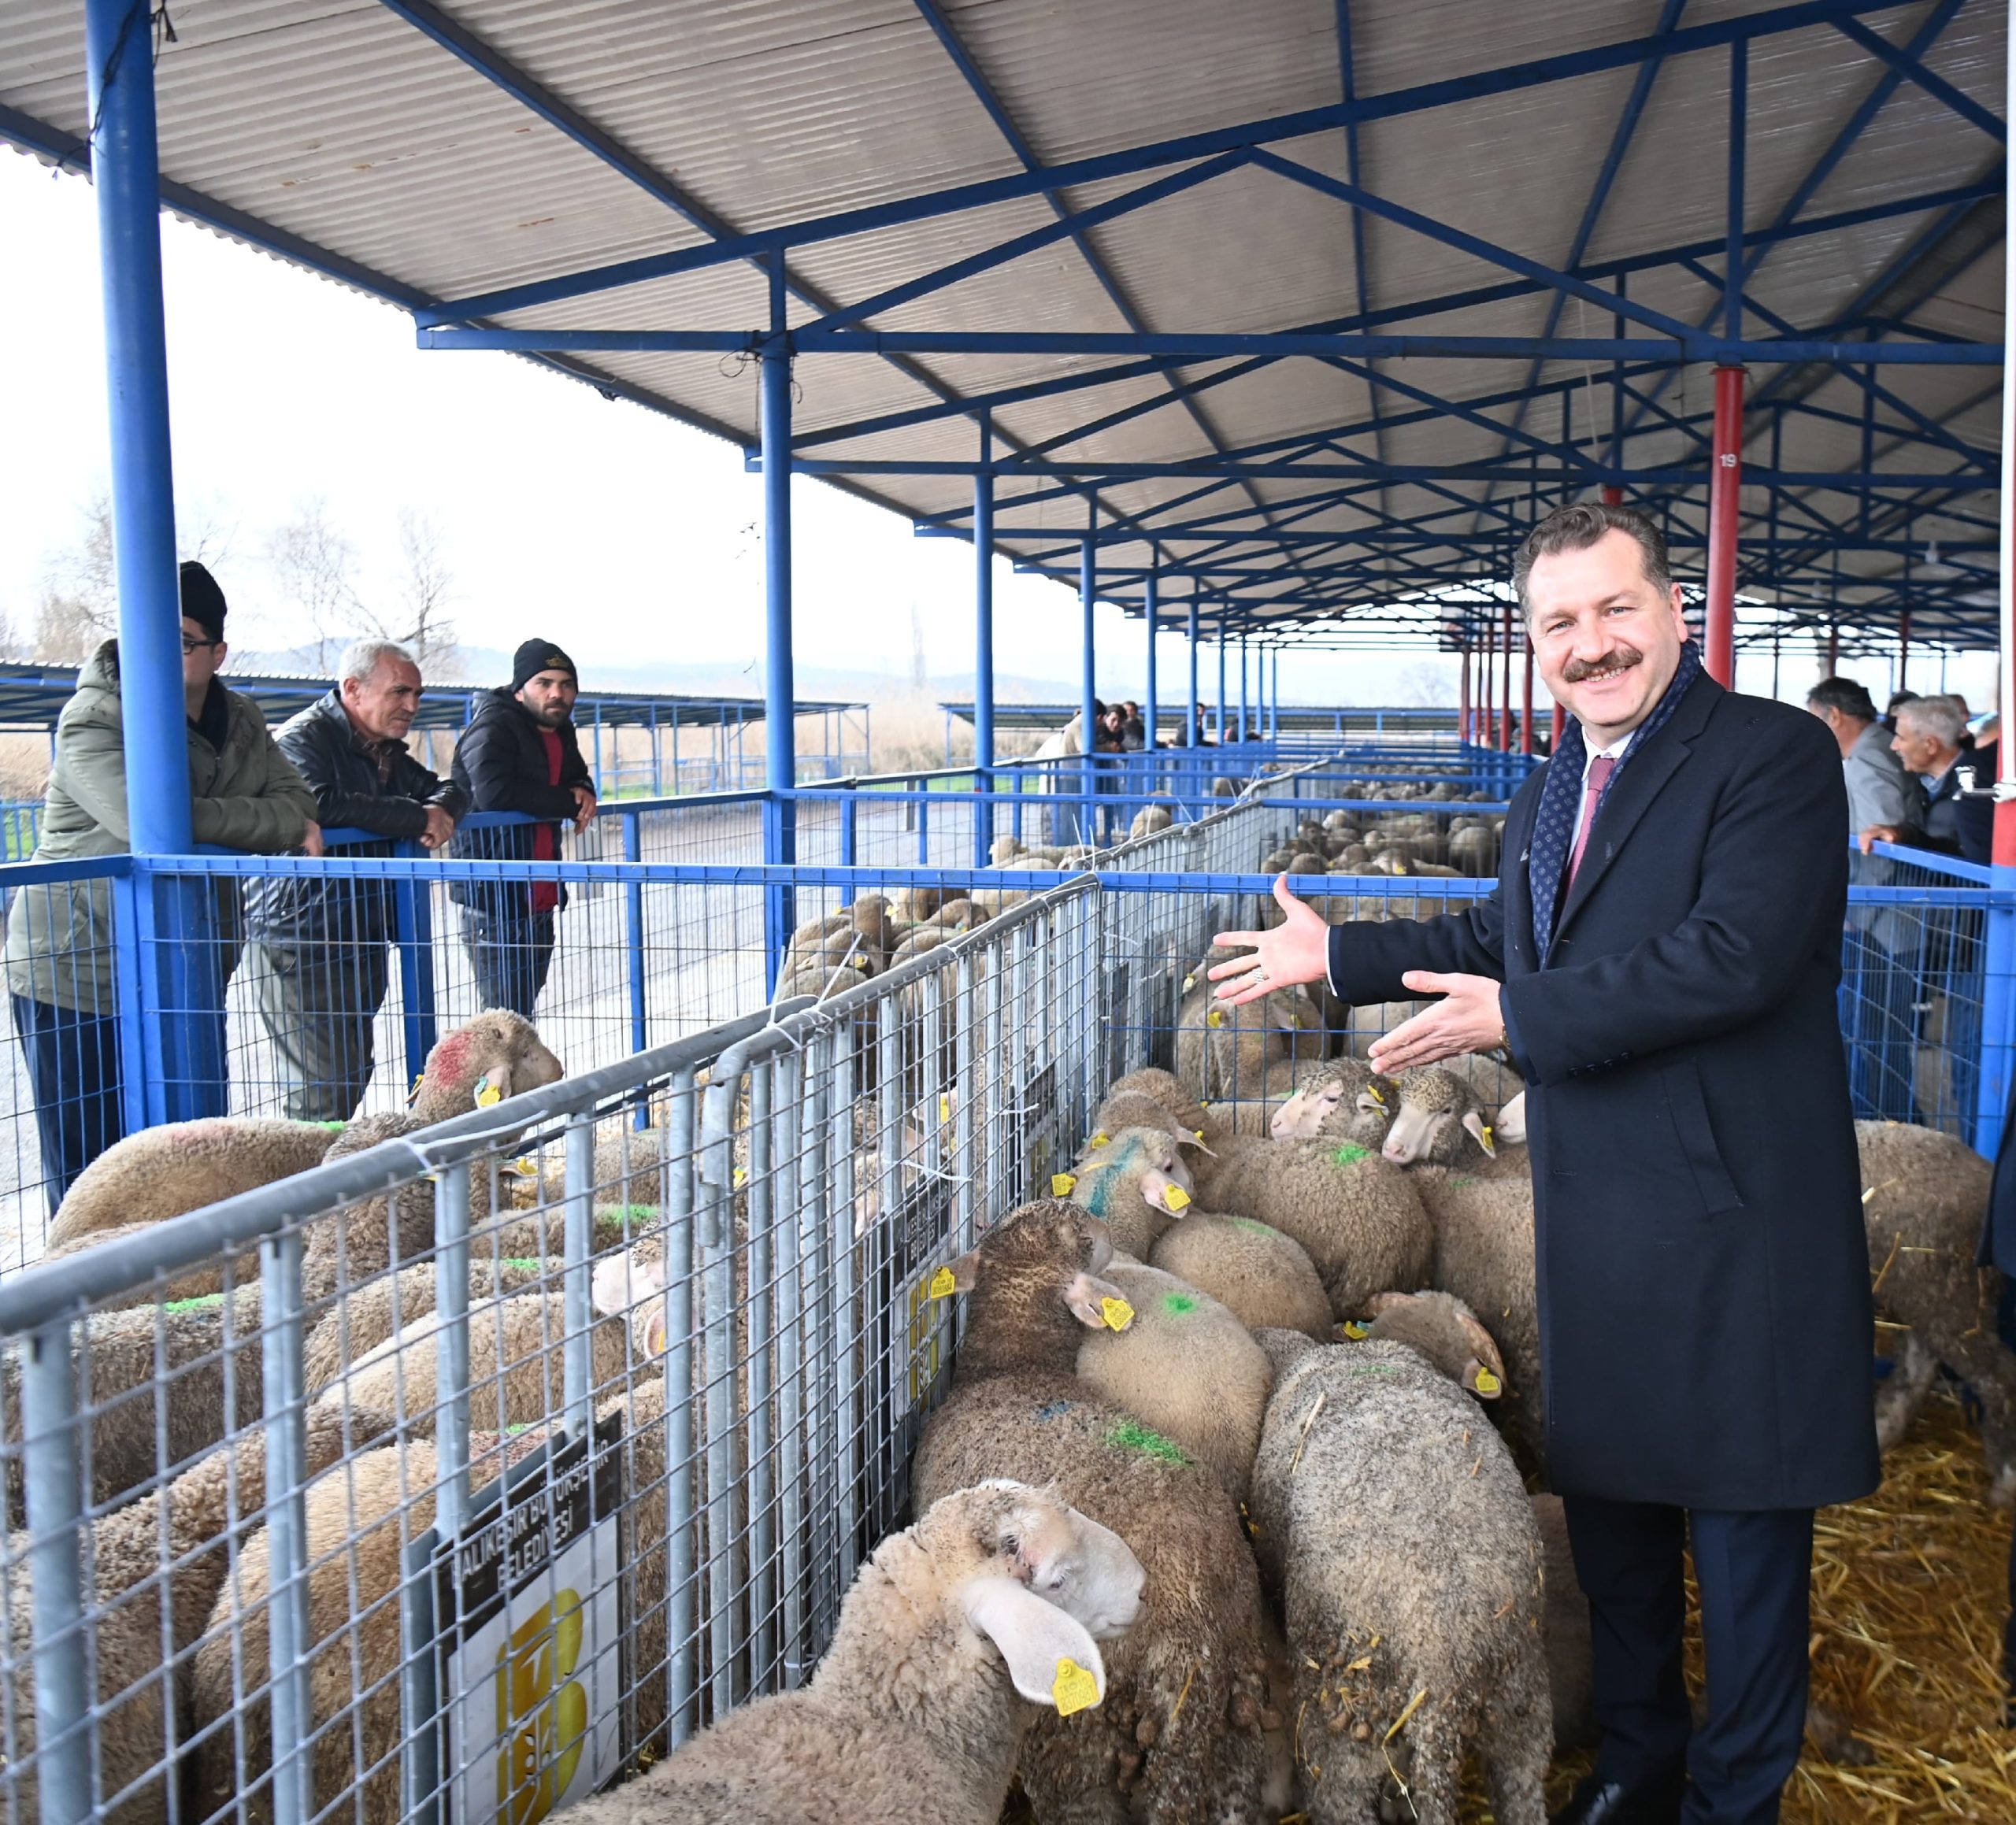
<point>79,606</point>
<point>316,566</point>
<point>425,587</point>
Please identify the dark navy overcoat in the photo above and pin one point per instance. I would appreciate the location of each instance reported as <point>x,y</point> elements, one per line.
<point>1704,1280</point>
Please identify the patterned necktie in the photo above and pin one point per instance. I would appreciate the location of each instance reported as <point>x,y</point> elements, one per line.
<point>1600,769</point>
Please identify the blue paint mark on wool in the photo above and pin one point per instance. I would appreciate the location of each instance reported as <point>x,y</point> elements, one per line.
<point>1099,1194</point>
<point>1053,1410</point>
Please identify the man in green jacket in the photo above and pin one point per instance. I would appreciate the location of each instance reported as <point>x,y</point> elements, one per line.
<point>60,960</point>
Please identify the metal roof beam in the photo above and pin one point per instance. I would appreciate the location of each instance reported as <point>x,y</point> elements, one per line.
<point>1508,79</point>
<point>1913,70</point>
<point>1212,345</point>
<point>1475,296</point>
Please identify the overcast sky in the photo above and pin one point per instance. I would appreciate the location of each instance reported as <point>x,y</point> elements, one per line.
<point>627,536</point>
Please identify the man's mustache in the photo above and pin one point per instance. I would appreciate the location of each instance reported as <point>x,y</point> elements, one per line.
<point>1621,659</point>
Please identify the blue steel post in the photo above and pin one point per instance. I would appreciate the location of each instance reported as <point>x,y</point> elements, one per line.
<point>983,648</point>
<point>187,980</point>
<point>1190,729</point>
<point>413,922</point>
<point>1245,726</point>
<point>1151,710</point>
<point>1222,637</point>
<point>780,691</point>
<point>1088,735</point>
<point>633,935</point>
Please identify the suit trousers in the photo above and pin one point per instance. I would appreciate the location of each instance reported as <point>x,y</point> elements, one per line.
<point>1753,1570</point>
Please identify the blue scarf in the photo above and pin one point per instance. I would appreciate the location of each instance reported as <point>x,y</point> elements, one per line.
<point>1554,824</point>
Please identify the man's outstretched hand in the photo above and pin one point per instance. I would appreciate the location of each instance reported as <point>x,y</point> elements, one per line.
<point>1469,1018</point>
<point>1297,950</point>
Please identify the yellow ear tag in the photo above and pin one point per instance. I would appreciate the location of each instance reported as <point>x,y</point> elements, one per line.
<point>1117,1312</point>
<point>1175,1197</point>
<point>1372,1090</point>
<point>525,1166</point>
<point>1190,981</point>
<point>1355,1331</point>
<point>1198,1133</point>
<point>488,1094</point>
<point>1488,1132</point>
<point>1062,1184</point>
<point>943,1286</point>
<point>1215,1018</point>
<point>1486,1382</point>
<point>1098,1140</point>
<point>1074,1689</point>
<point>741,1175</point>
<point>944,1109</point>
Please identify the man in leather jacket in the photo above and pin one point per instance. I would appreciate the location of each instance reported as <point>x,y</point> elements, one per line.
<point>321,953</point>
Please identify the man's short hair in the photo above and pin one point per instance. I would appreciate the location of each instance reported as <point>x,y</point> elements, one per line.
<point>1577,528</point>
<point>361,659</point>
<point>1937,717</point>
<point>1845,695</point>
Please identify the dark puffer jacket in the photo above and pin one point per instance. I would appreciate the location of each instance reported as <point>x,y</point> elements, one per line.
<point>501,764</point>
<point>342,770</point>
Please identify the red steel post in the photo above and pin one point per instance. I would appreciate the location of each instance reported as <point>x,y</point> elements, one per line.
<point>1526,706</point>
<point>1724,491</point>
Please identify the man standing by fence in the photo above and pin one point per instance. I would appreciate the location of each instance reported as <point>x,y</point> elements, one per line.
<point>1660,959</point>
<point>520,753</point>
<point>244,795</point>
<point>321,955</point>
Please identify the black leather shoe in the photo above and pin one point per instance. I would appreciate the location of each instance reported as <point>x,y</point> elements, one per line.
<point>1599,1802</point>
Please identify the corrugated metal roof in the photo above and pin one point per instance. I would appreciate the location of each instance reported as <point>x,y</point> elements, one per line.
<point>342,131</point>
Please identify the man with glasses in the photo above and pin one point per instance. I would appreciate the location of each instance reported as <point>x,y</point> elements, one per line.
<point>244,794</point>
<point>322,950</point>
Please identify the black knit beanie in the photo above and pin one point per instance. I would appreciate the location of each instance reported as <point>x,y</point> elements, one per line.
<point>202,601</point>
<point>537,656</point>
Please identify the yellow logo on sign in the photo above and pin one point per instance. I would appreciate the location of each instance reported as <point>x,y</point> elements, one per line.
<point>544,1731</point>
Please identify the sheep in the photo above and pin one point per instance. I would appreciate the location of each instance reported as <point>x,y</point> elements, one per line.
<point>139,1368</point>
<point>182,1166</point>
<point>1924,1197</point>
<point>165,1542</point>
<point>1438,1120</point>
<point>1264,1278</point>
<point>1343,1098</point>
<point>1178,1737</point>
<point>1135,1108</point>
<point>1185,1366</point>
<point>1392,1521</point>
<point>628,1171</point>
<point>1149,819</point>
<point>952,1634</point>
<point>1135,1183</point>
<point>1359,1217</point>
<point>515,1346</point>
<point>496,1056</point>
<point>1224,1052</point>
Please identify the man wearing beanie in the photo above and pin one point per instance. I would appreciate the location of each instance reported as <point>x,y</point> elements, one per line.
<point>244,794</point>
<point>520,753</point>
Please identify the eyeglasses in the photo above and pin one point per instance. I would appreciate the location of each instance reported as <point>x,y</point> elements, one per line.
<point>190,645</point>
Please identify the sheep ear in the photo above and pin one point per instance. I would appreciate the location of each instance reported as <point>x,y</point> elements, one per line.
<point>655,1330</point>
<point>959,1276</point>
<point>1096,1303</point>
<point>1050,1655</point>
<point>1380,1302</point>
<point>1481,1132</point>
<point>1483,1382</point>
<point>1512,1120</point>
<point>493,1086</point>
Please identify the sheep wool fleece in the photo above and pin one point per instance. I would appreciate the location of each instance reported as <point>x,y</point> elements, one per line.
<point>1702,1279</point>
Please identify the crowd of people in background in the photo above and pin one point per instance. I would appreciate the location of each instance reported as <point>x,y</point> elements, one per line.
<point>320,944</point>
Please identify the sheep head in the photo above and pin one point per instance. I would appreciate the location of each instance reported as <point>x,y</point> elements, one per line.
<point>1434,1110</point>
<point>1034,1280</point>
<point>1445,1331</point>
<point>497,1055</point>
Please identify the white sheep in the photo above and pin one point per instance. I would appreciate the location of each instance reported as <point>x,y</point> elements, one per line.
<point>953,1635</point>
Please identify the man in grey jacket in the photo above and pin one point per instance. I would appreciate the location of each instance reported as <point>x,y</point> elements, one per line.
<point>321,951</point>
<point>1879,974</point>
<point>60,955</point>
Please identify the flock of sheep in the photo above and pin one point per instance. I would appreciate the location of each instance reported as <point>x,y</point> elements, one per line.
<point>1227,1513</point>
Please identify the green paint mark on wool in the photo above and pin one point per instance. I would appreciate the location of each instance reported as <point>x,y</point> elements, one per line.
<point>1131,1435</point>
<point>521,1263</point>
<point>202,1302</point>
<point>1179,1305</point>
<point>1457,1184</point>
<point>1253,1227</point>
<point>1350,1155</point>
<point>334,1127</point>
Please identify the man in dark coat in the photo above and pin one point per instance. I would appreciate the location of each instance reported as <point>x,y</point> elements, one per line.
<point>520,753</point>
<point>1660,959</point>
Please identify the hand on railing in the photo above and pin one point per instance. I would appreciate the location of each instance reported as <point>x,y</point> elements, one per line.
<point>585,808</point>
<point>440,829</point>
<point>312,843</point>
